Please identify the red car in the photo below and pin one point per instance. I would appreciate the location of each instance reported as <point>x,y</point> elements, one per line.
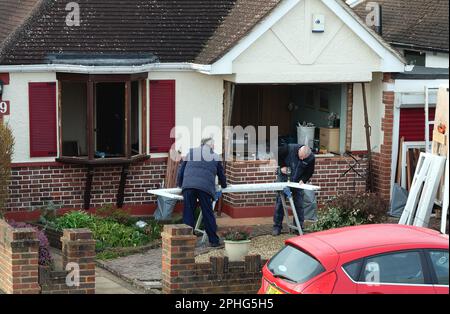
<point>370,259</point>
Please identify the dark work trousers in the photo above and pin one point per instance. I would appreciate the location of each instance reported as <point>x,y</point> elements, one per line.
<point>298,203</point>
<point>190,203</point>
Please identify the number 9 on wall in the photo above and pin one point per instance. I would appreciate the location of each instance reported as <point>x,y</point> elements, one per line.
<point>4,108</point>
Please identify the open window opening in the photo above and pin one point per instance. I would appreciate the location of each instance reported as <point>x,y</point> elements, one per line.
<point>304,114</point>
<point>102,118</point>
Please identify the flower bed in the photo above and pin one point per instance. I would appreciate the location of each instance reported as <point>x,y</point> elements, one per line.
<point>116,234</point>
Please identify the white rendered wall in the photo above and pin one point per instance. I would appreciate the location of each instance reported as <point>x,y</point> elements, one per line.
<point>19,119</point>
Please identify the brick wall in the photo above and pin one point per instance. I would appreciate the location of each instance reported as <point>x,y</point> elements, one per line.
<point>32,186</point>
<point>248,172</point>
<point>181,275</point>
<point>78,247</point>
<point>382,160</point>
<point>18,260</point>
<point>20,272</point>
<point>327,175</point>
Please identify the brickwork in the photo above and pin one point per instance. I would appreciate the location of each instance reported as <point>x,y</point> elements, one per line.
<point>78,247</point>
<point>20,272</point>
<point>33,186</point>
<point>19,253</point>
<point>181,275</point>
<point>382,160</point>
<point>327,175</point>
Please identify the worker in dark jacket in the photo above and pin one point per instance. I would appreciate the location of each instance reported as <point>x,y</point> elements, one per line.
<point>301,161</point>
<point>197,178</point>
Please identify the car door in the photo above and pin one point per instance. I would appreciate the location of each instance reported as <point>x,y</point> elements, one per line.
<point>438,260</point>
<point>402,272</point>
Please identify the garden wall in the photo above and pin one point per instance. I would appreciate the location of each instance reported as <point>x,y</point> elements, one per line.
<point>182,275</point>
<point>20,272</point>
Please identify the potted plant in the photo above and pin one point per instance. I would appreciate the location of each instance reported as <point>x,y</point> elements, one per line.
<point>237,244</point>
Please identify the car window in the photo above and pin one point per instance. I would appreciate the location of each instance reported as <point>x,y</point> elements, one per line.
<point>439,260</point>
<point>353,269</point>
<point>294,265</point>
<point>396,268</point>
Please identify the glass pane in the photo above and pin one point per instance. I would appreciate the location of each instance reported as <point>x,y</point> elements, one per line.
<point>439,260</point>
<point>402,267</point>
<point>353,269</point>
<point>294,265</point>
<point>74,119</point>
<point>110,120</point>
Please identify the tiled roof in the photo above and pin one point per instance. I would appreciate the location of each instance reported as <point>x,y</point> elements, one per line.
<point>199,31</point>
<point>242,18</point>
<point>172,30</point>
<point>13,14</point>
<point>421,24</point>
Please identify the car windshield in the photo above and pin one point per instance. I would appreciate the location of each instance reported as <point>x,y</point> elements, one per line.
<point>293,265</point>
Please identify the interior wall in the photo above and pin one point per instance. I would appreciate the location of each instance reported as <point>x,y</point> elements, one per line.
<point>306,112</point>
<point>284,106</point>
<point>74,113</point>
<point>263,105</point>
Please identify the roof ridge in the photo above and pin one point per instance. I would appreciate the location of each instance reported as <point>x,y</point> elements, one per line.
<point>39,7</point>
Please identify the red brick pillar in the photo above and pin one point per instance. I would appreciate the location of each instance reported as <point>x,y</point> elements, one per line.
<point>384,159</point>
<point>19,258</point>
<point>178,245</point>
<point>78,246</point>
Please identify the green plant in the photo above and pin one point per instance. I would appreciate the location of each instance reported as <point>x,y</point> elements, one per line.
<point>351,210</point>
<point>107,232</point>
<point>48,212</point>
<point>115,214</point>
<point>6,152</point>
<point>237,234</point>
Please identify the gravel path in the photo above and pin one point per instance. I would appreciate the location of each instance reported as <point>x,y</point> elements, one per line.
<point>266,246</point>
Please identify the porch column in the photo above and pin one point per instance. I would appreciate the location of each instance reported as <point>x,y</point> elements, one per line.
<point>384,158</point>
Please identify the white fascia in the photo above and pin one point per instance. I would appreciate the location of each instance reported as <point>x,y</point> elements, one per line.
<point>390,62</point>
<point>225,64</point>
<point>81,69</point>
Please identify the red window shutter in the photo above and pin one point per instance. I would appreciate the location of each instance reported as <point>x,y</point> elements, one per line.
<point>412,124</point>
<point>42,101</point>
<point>162,115</point>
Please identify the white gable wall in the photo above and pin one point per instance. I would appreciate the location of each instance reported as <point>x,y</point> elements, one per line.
<point>289,52</point>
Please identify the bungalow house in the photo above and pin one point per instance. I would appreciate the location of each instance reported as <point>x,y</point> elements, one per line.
<point>92,90</point>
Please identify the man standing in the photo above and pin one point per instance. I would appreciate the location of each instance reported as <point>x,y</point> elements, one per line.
<point>197,178</point>
<point>301,162</point>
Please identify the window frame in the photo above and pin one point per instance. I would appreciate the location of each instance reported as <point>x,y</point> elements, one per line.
<point>91,80</point>
<point>428,280</point>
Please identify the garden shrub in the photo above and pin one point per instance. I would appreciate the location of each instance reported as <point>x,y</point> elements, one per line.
<point>115,214</point>
<point>45,258</point>
<point>108,233</point>
<point>6,152</point>
<point>351,210</point>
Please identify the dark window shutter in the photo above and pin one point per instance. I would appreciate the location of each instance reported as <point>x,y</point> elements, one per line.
<point>162,115</point>
<point>42,100</point>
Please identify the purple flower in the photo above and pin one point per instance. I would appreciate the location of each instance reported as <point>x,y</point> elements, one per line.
<point>45,258</point>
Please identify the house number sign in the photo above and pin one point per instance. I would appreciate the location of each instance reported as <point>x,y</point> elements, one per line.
<point>4,107</point>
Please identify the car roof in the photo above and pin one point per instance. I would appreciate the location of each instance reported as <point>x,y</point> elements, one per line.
<point>369,236</point>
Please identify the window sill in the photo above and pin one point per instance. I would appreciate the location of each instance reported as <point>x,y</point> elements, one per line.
<point>102,161</point>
